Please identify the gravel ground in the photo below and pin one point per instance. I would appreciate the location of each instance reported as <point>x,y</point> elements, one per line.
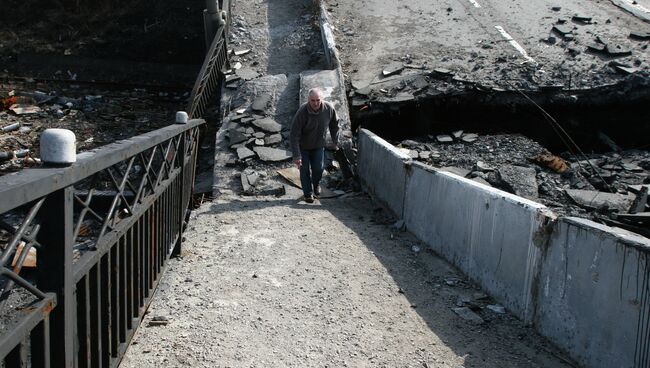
<point>279,283</point>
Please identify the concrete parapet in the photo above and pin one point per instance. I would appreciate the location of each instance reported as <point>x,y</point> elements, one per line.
<point>583,285</point>
<point>593,297</point>
<point>489,234</point>
<point>382,170</point>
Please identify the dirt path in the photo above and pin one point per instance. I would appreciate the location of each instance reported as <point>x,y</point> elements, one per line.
<point>273,283</point>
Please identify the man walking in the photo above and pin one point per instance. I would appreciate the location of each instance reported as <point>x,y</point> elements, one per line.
<point>308,133</point>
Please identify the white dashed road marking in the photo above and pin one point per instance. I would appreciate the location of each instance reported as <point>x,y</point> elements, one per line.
<point>514,43</point>
<point>475,3</point>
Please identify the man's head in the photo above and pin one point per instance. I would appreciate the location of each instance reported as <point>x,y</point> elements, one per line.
<point>315,99</point>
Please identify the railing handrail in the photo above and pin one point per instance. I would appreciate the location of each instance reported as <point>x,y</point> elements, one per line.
<point>27,185</point>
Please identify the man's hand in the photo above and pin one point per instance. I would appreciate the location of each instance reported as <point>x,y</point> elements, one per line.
<point>298,162</point>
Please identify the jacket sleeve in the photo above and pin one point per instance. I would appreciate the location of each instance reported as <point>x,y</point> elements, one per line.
<point>296,132</point>
<point>334,126</point>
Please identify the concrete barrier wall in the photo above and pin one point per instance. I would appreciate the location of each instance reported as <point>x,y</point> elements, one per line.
<point>583,285</point>
<point>593,294</point>
<point>487,233</point>
<point>382,170</point>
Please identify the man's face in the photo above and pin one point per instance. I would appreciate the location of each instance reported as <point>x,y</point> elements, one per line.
<point>314,102</point>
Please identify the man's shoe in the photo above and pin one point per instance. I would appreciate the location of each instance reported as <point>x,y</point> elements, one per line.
<point>317,190</point>
<point>309,199</point>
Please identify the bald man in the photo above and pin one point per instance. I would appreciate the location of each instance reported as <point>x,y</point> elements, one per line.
<point>308,133</point>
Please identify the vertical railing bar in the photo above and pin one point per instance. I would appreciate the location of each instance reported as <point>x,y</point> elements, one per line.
<point>95,315</point>
<point>105,282</point>
<point>115,300</point>
<point>121,288</point>
<point>83,322</point>
<point>129,276</point>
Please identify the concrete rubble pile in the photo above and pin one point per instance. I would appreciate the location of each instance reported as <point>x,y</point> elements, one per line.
<point>610,188</point>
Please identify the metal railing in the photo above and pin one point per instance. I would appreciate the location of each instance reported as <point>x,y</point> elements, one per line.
<point>212,71</point>
<point>103,229</point>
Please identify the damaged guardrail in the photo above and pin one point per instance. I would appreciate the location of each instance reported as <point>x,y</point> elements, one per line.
<point>102,230</point>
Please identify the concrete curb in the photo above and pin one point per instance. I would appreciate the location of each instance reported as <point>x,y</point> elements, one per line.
<point>334,63</point>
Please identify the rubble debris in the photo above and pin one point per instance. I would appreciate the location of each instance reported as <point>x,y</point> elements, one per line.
<point>591,199</point>
<point>519,180</point>
<point>443,138</point>
<point>467,314</point>
<point>10,127</point>
<point>642,218</point>
<point>159,321</point>
<point>7,102</point>
<point>582,19</point>
<point>235,136</point>
<point>640,35</point>
<point>261,102</point>
<point>272,154</point>
<point>496,308</point>
<point>244,153</point>
<point>272,139</point>
<point>268,125</point>
<point>469,137</point>
<point>20,109</point>
<point>563,31</point>
<point>241,52</point>
<point>551,161</point>
<point>30,259</point>
<point>640,202</point>
<point>392,68</point>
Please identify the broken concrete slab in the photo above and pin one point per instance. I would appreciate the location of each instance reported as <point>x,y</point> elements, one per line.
<point>519,180</point>
<point>392,68</point>
<point>247,73</point>
<point>242,52</point>
<point>640,35</point>
<point>272,139</point>
<point>272,154</point>
<point>591,199</point>
<point>244,153</point>
<point>268,125</point>
<point>235,136</point>
<point>617,50</point>
<point>261,102</point>
<point>469,137</point>
<point>467,314</point>
<point>562,30</point>
<point>443,138</point>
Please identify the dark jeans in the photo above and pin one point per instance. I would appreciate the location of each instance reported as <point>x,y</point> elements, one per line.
<point>311,170</point>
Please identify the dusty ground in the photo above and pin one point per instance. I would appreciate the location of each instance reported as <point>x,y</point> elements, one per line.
<point>270,282</point>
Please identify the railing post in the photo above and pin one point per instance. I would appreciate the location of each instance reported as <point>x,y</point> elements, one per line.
<point>54,262</point>
<point>183,188</point>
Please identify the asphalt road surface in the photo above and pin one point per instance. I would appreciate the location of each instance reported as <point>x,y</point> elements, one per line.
<point>496,43</point>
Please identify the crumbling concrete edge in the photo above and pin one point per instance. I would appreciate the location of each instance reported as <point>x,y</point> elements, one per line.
<point>583,285</point>
<point>334,62</point>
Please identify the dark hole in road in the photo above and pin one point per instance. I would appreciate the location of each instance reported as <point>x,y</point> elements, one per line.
<point>588,123</point>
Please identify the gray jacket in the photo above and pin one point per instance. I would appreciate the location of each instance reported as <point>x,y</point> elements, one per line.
<point>309,128</point>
